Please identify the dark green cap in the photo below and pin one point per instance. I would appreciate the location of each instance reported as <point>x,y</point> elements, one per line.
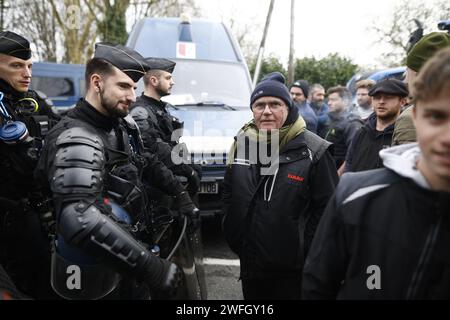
<point>425,48</point>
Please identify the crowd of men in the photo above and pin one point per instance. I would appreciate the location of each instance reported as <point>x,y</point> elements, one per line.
<point>382,231</point>
<point>337,214</point>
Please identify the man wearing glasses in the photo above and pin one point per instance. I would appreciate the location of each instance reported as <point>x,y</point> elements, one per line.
<point>274,200</point>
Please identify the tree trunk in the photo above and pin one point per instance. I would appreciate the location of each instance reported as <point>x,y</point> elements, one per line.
<point>291,66</point>
<point>263,43</point>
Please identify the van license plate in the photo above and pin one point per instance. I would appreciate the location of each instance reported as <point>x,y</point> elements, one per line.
<point>209,187</point>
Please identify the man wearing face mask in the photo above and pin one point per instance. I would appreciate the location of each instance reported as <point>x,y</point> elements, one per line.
<point>95,166</point>
<point>272,209</point>
<point>25,118</point>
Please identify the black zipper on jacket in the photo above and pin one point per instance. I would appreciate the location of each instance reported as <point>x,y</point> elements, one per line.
<point>248,221</point>
<point>424,260</point>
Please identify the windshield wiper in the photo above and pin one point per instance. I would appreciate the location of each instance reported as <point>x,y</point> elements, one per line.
<point>206,104</point>
<point>215,103</point>
<point>172,106</point>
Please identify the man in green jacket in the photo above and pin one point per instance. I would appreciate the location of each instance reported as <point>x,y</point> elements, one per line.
<point>404,131</point>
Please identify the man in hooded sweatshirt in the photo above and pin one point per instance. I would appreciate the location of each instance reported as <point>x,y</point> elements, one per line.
<point>385,232</point>
<point>273,203</point>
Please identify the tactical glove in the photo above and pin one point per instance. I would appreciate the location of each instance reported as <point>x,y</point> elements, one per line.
<point>184,204</point>
<point>163,277</point>
<point>194,182</point>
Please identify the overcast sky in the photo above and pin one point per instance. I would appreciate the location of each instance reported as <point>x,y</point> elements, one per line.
<point>321,26</point>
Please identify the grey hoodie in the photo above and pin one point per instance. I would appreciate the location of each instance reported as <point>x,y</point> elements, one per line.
<point>402,160</point>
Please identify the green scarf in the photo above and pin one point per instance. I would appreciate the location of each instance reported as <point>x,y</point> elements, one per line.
<point>286,134</point>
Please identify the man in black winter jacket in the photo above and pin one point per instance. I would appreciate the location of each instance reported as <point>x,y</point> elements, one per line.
<point>341,125</point>
<point>385,232</point>
<point>389,96</point>
<point>272,208</point>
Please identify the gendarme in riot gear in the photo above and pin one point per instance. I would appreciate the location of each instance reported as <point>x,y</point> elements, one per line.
<point>157,125</point>
<point>93,163</point>
<point>25,118</point>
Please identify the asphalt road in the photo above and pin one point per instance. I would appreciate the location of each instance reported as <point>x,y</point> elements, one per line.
<point>221,265</point>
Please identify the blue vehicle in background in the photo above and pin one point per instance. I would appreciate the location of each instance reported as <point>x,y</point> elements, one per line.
<point>396,73</point>
<point>378,75</point>
<point>63,83</point>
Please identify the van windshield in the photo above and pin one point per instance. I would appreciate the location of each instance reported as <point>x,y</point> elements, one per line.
<point>212,122</point>
<point>159,37</point>
<point>215,82</point>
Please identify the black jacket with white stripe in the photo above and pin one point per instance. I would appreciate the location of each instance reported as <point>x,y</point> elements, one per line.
<point>270,219</point>
<point>384,235</point>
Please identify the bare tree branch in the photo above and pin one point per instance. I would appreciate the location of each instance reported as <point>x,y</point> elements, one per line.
<point>396,34</point>
<point>65,30</point>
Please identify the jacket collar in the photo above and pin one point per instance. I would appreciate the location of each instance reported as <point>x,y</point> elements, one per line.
<point>402,160</point>
<point>371,124</point>
<point>88,113</point>
<point>152,101</point>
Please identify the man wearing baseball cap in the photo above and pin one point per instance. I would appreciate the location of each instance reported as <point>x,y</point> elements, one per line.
<point>389,96</point>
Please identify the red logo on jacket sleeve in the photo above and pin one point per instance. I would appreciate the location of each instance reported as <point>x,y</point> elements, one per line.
<point>296,178</point>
